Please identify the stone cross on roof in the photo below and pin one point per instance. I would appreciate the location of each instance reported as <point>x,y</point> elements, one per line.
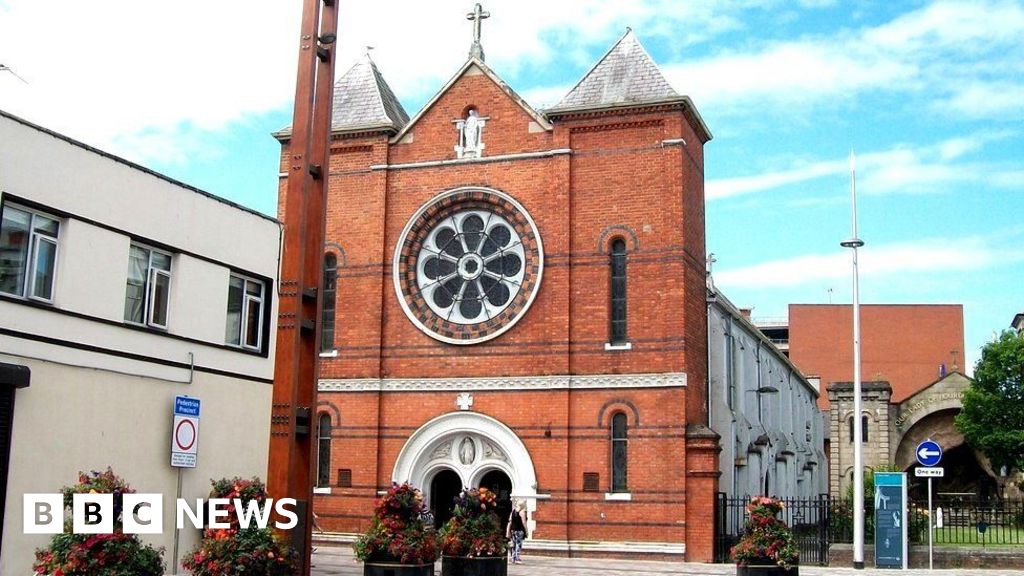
<point>477,16</point>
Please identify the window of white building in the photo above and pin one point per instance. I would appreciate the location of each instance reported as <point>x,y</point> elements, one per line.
<point>148,293</point>
<point>245,313</point>
<point>28,253</point>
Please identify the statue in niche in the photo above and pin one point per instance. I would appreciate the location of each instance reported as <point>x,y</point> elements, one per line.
<point>467,451</point>
<point>471,130</point>
<point>471,135</point>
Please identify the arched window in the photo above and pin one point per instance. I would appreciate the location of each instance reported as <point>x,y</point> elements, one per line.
<point>618,292</point>
<point>619,454</point>
<point>863,429</point>
<point>329,292</point>
<point>323,460</point>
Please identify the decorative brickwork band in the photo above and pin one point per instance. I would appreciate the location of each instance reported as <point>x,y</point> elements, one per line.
<point>670,380</point>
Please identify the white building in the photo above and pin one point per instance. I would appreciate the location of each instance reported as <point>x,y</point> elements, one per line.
<point>764,409</point>
<point>120,289</point>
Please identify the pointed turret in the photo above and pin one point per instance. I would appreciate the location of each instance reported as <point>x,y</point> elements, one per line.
<point>363,101</point>
<point>626,75</point>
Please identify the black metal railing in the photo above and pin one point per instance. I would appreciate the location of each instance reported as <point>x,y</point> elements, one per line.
<point>965,521</point>
<point>817,523</point>
<point>808,518</point>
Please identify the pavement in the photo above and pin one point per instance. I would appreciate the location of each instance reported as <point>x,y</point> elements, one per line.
<point>338,561</point>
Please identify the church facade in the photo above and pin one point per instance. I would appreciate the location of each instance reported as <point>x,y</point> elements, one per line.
<point>515,298</point>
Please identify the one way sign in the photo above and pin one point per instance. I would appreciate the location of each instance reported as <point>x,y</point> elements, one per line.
<point>929,453</point>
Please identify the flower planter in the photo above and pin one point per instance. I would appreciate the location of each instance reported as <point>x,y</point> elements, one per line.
<point>767,569</point>
<point>474,566</point>
<point>392,568</point>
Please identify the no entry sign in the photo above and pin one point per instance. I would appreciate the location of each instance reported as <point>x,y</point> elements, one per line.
<point>185,432</point>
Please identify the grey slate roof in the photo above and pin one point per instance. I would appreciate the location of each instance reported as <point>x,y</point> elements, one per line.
<point>362,98</point>
<point>625,75</point>
<point>363,101</point>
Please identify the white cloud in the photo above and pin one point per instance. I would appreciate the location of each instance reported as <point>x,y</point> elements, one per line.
<point>111,71</point>
<point>961,55</point>
<point>936,255</point>
<point>147,79</point>
<point>114,69</point>
<point>906,169</point>
<point>1002,99</point>
<point>727,187</point>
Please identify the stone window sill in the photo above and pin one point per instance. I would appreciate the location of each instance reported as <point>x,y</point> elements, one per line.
<point>622,346</point>
<point>620,496</point>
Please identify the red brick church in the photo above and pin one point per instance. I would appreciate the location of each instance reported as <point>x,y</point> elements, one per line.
<point>515,298</point>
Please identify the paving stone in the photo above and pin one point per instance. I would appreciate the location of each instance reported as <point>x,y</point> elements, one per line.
<point>338,561</point>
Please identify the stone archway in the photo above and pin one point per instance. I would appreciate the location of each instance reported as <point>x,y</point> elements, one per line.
<point>966,471</point>
<point>471,445</point>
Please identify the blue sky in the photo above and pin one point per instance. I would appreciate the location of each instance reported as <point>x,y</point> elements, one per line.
<point>930,94</point>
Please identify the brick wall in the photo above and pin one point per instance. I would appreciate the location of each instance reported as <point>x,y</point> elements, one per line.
<point>901,344</point>
<point>621,180</point>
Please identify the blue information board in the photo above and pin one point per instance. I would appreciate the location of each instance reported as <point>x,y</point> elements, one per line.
<point>890,520</point>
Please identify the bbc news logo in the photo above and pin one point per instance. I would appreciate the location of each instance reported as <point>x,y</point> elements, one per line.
<point>144,513</point>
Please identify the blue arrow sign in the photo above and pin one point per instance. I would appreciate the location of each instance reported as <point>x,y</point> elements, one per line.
<point>929,453</point>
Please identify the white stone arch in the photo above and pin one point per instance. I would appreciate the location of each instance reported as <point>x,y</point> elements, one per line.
<point>438,445</point>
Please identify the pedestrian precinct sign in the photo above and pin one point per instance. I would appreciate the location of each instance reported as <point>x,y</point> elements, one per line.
<point>185,432</point>
<point>929,453</point>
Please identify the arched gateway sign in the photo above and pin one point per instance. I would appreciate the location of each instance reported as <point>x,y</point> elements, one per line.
<point>470,445</point>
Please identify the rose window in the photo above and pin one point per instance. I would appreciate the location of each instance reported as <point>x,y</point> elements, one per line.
<point>468,265</point>
<point>471,266</point>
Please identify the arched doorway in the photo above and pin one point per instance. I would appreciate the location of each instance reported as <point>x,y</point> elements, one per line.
<point>445,486</point>
<point>965,477</point>
<point>470,445</point>
<point>967,472</point>
<point>498,482</point>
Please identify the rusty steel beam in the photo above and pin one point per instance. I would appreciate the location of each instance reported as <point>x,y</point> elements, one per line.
<point>296,370</point>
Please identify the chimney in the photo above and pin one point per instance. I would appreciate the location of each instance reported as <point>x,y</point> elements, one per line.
<point>745,312</point>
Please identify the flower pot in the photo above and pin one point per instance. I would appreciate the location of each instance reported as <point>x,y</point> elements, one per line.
<point>386,568</point>
<point>474,566</point>
<point>766,569</point>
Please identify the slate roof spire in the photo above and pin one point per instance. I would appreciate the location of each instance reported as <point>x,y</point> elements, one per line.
<point>625,75</point>
<point>363,101</point>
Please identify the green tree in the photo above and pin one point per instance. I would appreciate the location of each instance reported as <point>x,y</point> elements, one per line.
<point>992,418</point>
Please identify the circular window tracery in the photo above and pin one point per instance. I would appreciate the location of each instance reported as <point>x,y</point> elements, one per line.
<point>468,265</point>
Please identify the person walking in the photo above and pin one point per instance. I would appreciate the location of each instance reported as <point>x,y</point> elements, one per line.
<point>516,530</point>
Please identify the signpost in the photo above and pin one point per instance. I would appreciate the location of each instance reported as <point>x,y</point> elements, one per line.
<point>185,432</point>
<point>184,446</point>
<point>929,454</point>
<point>891,520</point>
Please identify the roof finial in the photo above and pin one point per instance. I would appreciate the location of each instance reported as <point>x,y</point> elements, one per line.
<point>477,16</point>
<point>4,68</point>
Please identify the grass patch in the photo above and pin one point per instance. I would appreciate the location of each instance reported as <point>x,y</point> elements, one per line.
<point>969,536</point>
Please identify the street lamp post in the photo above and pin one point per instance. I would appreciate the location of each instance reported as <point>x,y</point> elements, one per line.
<point>858,450</point>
